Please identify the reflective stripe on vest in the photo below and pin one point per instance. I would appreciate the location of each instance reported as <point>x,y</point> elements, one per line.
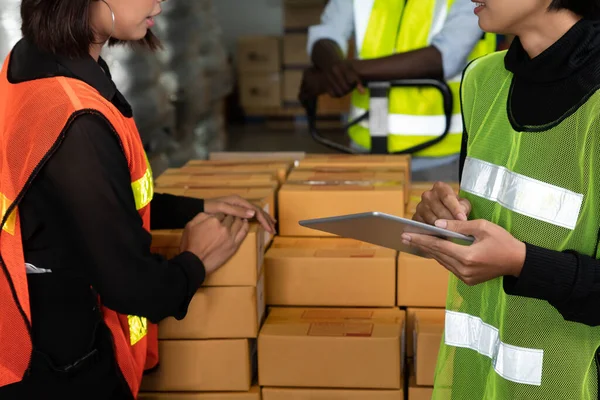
<point>513,363</point>
<point>521,194</point>
<point>416,115</point>
<point>9,226</point>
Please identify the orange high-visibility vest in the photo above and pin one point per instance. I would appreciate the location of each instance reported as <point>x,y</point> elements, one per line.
<point>34,117</point>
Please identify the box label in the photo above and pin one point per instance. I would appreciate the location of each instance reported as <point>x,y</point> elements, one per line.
<point>340,329</point>
<point>337,314</point>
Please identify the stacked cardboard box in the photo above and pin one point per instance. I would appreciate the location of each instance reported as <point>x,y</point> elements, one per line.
<point>213,348</point>
<point>259,71</point>
<point>324,353</point>
<point>332,272</point>
<point>326,185</point>
<point>426,327</point>
<point>211,354</point>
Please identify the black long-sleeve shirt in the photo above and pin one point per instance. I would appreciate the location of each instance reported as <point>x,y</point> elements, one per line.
<point>79,220</point>
<point>545,88</point>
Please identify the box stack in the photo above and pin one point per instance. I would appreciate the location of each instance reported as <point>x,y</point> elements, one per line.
<point>421,289</point>
<point>270,68</point>
<point>349,343</point>
<point>211,354</point>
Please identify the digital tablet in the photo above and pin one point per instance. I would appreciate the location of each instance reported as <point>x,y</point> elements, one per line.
<point>381,229</point>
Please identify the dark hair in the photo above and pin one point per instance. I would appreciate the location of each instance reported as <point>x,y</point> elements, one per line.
<point>588,9</point>
<point>63,27</point>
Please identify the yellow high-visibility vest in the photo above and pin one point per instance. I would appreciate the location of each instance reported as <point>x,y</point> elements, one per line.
<point>416,115</point>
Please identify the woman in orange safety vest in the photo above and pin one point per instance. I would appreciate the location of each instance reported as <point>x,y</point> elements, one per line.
<point>80,291</point>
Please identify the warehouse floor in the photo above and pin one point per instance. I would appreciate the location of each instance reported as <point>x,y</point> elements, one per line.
<point>257,137</point>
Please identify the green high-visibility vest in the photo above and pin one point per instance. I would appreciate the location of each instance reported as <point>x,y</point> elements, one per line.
<point>416,114</point>
<point>542,187</point>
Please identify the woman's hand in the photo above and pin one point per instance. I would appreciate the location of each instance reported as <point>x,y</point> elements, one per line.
<point>441,202</point>
<point>238,207</point>
<point>494,253</point>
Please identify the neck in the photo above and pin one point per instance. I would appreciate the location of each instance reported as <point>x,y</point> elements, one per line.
<point>95,50</point>
<point>545,30</point>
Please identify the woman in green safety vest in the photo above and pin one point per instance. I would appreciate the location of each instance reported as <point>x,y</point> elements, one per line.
<point>523,308</point>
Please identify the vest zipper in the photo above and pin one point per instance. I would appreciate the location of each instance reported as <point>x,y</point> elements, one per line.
<point>598,369</point>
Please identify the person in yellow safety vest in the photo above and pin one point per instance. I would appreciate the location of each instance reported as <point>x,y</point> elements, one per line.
<point>523,318</point>
<point>399,39</point>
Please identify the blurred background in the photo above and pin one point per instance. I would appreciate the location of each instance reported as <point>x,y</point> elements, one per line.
<point>227,78</point>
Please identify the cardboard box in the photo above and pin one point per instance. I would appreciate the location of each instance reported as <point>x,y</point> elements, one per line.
<point>428,333</point>
<point>253,394</point>
<point>215,180</point>
<point>294,50</point>
<point>257,155</point>
<point>380,176</point>
<point>220,312</point>
<point>329,272</point>
<point>259,54</point>
<point>422,282</point>
<point>300,16</point>
<point>419,392</point>
<point>255,195</point>
<point>354,161</point>
<point>331,348</point>
<point>330,394</point>
<point>202,365</point>
<point>298,202</point>
<point>292,79</point>
<point>417,190</point>
<point>260,89</point>
<point>280,170</point>
<point>243,269</point>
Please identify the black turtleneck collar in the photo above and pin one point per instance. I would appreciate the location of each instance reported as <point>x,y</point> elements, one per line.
<point>551,86</point>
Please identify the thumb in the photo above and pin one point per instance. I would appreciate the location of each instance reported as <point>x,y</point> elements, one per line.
<point>472,228</point>
<point>236,211</point>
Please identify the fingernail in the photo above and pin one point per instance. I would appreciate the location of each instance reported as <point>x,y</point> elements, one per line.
<point>406,242</point>
<point>406,238</point>
<point>462,217</point>
<point>441,223</point>
<point>250,213</point>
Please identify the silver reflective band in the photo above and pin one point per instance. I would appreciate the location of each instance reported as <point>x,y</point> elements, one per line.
<point>521,194</point>
<point>516,364</point>
<point>414,125</point>
<point>31,269</point>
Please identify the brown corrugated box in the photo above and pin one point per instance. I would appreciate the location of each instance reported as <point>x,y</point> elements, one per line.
<point>331,348</point>
<point>292,79</point>
<point>294,50</point>
<point>186,180</point>
<point>422,282</point>
<point>256,195</point>
<point>379,175</point>
<point>243,269</point>
<point>428,333</point>
<point>281,169</point>
<point>259,54</point>
<point>202,365</point>
<point>199,172</point>
<point>416,191</point>
<point>260,89</point>
<point>301,15</point>
<point>417,392</point>
<point>257,155</point>
<point>357,161</point>
<point>330,394</point>
<point>298,202</point>
<point>329,272</point>
<point>220,312</point>
<point>433,313</point>
<point>253,394</point>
